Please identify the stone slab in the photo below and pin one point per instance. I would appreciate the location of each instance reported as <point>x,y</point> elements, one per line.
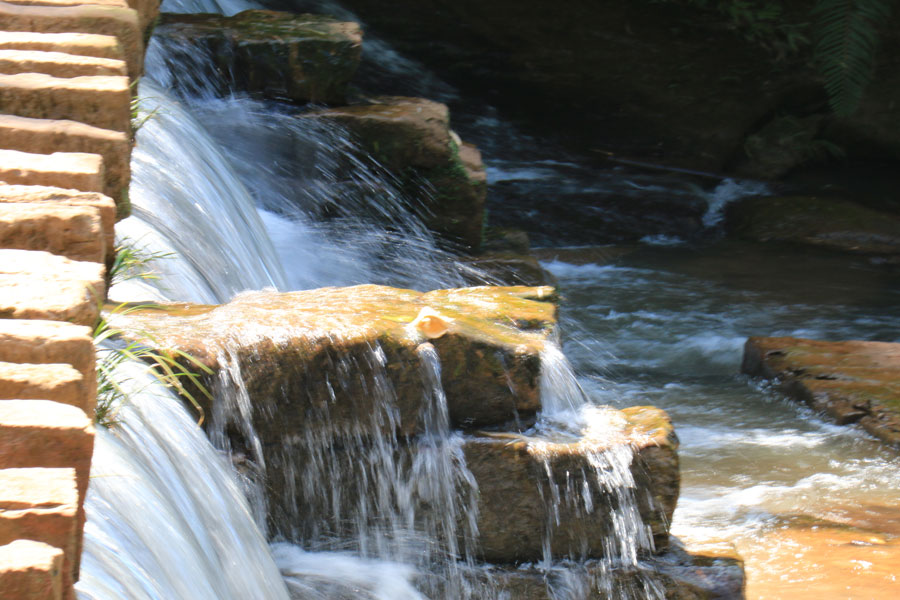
<point>123,23</point>
<point>70,231</point>
<point>147,9</point>
<point>40,285</point>
<point>101,101</point>
<point>69,197</point>
<point>76,169</point>
<point>851,381</point>
<point>31,570</point>
<point>56,382</point>
<point>83,44</point>
<point>41,505</point>
<point>45,136</point>
<point>58,64</point>
<point>48,342</point>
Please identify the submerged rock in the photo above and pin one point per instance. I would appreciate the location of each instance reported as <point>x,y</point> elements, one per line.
<point>828,222</point>
<point>321,356</point>
<point>851,381</point>
<point>413,139</point>
<point>304,58</point>
<point>559,492</point>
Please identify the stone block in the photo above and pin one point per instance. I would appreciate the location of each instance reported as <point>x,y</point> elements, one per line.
<point>57,382</point>
<point>74,169</point>
<point>101,101</point>
<point>58,64</point>
<point>83,44</point>
<point>70,231</point>
<point>44,136</point>
<point>31,570</point>
<point>123,23</point>
<point>48,342</point>
<point>69,197</point>
<point>40,285</point>
<point>41,505</point>
<point>147,9</point>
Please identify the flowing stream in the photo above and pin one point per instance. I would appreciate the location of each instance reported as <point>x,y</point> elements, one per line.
<point>660,322</point>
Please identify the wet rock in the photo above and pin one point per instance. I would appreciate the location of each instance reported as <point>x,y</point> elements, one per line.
<point>827,222</point>
<point>679,574</point>
<point>296,352</point>
<point>783,144</point>
<point>851,381</point>
<point>413,139</point>
<point>533,490</point>
<point>304,58</point>
<point>512,269</point>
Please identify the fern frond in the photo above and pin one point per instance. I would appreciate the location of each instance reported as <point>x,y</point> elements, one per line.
<point>847,32</point>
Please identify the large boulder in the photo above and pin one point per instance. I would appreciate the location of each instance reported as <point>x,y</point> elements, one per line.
<point>295,351</point>
<point>535,490</point>
<point>827,222</point>
<point>304,58</point>
<point>412,138</point>
<point>851,381</point>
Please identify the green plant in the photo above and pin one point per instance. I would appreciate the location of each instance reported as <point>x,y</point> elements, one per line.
<point>138,120</point>
<point>847,39</point>
<point>133,262</point>
<point>171,368</point>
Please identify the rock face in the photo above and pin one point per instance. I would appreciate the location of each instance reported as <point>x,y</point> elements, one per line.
<point>413,139</point>
<point>520,477</point>
<point>827,222</point>
<point>852,381</point>
<point>304,58</point>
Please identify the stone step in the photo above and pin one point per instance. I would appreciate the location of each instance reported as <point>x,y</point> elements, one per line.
<point>40,433</point>
<point>58,64</point>
<point>42,505</point>
<point>48,342</point>
<point>82,44</point>
<point>70,231</point>
<point>69,197</point>
<point>44,136</point>
<point>56,382</point>
<point>101,101</point>
<point>77,169</point>
<point>147,9</point>
<point>31,570</point>
<point>123,23</point>
<point>40,285</point>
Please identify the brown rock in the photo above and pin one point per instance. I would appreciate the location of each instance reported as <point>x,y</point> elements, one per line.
<point>70,231</point>
<point>851,381</point>
<point>305,58</point>
<point>123,23</point>
<point>77,170</point>
<point>83,44</point>
<point>40,285</point>
<point>103,102</point>
<point>412,138</point>
<point>58,64</point>
<point>69,197</point>
<point>57,382</point>
<point>46,136</point>
<point>43,342</point>
<point>41,505</point>
<point>31,570</point>
<point>515,490</point>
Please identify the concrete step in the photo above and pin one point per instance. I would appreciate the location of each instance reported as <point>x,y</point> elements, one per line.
<point>59,64</point>
<point>101,101</point>
<point>82,44</point>
<point>70,231</point>
<point>31,570</point>
<point>40,285</point>
<point>45,136</point>
<point>73,169</point>
<point>55,382</point>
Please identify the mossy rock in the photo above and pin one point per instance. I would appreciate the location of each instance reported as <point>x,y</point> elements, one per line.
<point>303,58</point>
<point>828,222</point>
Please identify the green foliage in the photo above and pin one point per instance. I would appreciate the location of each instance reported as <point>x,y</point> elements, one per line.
<point>133,262</point>
<point>172,368</point>
<point>847,39</point>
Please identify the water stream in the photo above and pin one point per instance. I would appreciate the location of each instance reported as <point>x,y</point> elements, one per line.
<point>236,188</point>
